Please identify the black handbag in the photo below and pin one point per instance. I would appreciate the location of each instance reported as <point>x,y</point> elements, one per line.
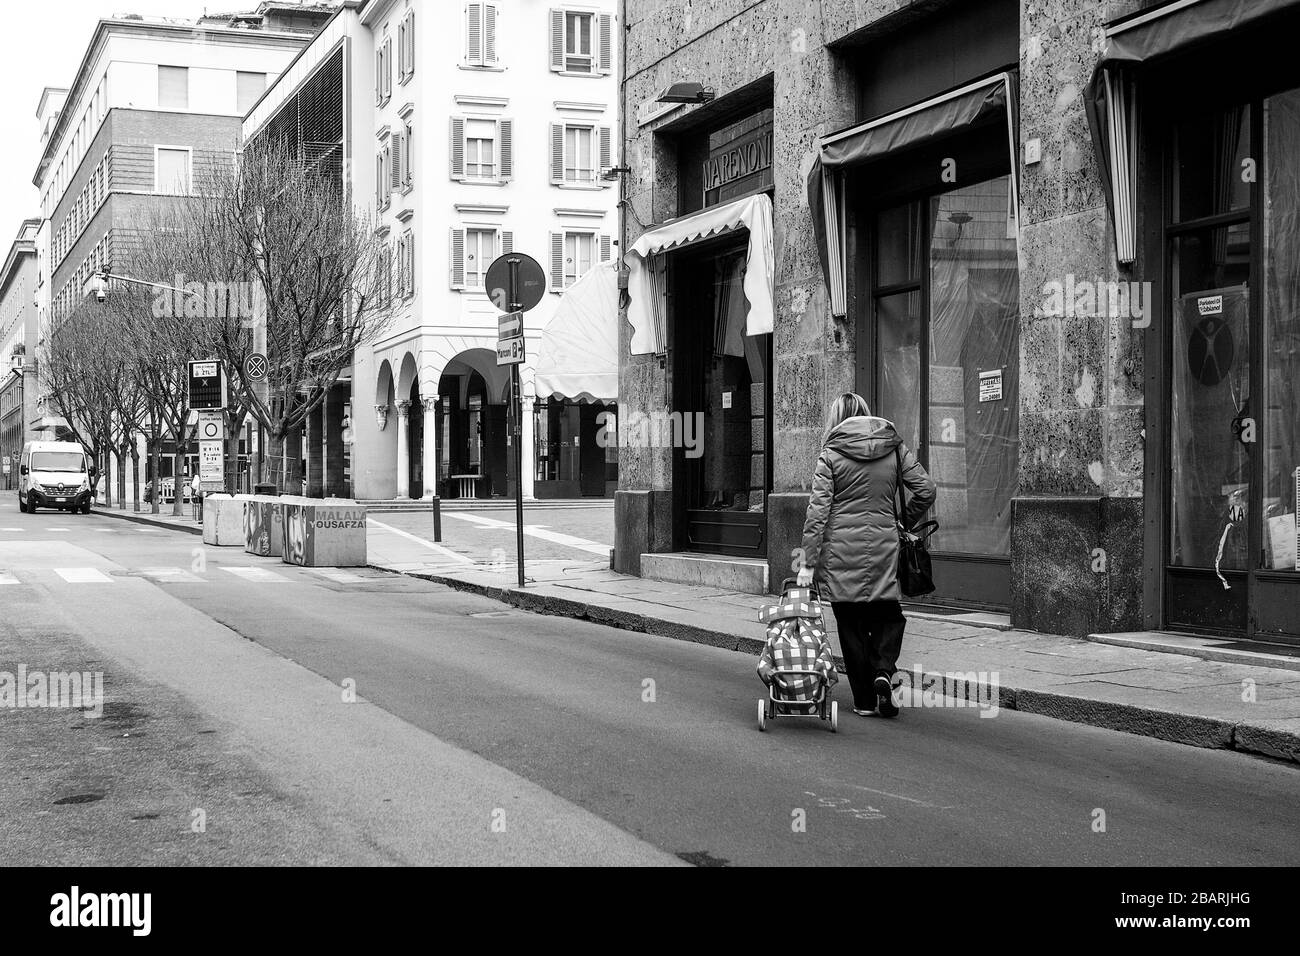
<point>915,577</point>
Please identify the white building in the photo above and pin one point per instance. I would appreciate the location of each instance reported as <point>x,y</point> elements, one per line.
<point>471,129</point>
<point>151,100</point>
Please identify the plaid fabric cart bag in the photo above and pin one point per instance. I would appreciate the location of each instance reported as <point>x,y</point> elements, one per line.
<point>796,664</point>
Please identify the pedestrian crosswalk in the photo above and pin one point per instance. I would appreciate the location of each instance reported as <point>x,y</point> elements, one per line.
<point>83,575</point>
<point>259,575</point>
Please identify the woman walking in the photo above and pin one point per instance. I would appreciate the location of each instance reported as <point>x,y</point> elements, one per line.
<point>850,542</point>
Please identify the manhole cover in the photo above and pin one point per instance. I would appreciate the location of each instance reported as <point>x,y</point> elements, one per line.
<point>78,798</point>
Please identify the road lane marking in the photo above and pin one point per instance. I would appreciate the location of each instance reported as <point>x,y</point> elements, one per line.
<point>83,575</point>
<point>257,575</point>
<point>538,531</point>
<point>447,552</point>
<point>338,575</point>
<point>56,529</point>
<point>7,578</point>
<point>171,575</point>
<point>11,529</point>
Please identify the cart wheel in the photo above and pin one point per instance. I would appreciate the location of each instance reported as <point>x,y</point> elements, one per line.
<point>762,714</point>
<point>835,715</point>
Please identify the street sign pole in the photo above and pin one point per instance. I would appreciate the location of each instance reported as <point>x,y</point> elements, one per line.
<point>516,406</point>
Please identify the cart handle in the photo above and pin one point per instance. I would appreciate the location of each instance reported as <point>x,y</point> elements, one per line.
<point>812,588</point>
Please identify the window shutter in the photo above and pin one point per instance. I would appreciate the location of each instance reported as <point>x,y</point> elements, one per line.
<point>557,153</point>
<point>410,263</point>
<point>507,241</point>
<point>557,40</point>
<point>606,149</point>
<point>379,75</point>
<point>605,247</point>
<point>506,138</point>
<point>605,56</point>
<point>474,34</point>
<point>457,148</point>
<point>457,258</point>
<point>388,68</point>
<point>395,162</point>
<point>410,43</point>
<point>557,261</point>
<point>489,34</point>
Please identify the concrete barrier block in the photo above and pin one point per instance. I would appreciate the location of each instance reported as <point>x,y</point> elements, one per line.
<point>264,526</point>
<point>223,520</point>
<point>325,533</point>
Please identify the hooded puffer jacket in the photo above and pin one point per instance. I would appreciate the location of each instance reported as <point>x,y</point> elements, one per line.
<point>850,536</point>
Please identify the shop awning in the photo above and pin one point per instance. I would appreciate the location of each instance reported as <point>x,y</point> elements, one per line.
<point>986,101</point>
<point>578,355</point>
<point>1112,96</point>
<point>647,307</point>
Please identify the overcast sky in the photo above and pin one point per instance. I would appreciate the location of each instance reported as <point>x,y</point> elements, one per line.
<point>41,45</point>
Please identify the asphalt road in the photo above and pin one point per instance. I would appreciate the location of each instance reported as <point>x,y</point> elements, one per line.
<point>586,743</point>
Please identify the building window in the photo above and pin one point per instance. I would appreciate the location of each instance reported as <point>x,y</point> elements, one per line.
<point>383,177</point>
<point>249,88</point>
<point>482,149</point>
<point>172,170</point>
<point>480,250</point>
<point>581,42</point>
<point>481,34</point>
<point>579,152</point>
<point>406,265</point>
<point>173,88</point>
<point>406,47</point>
<point>573,253</point>
<point>408,155</point>
<point>384,72</point>
<point>472,251</point>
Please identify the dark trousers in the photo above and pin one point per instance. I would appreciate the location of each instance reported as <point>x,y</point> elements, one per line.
<point>871,637</point>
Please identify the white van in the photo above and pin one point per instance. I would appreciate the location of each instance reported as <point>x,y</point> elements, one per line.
<point>55,474</point>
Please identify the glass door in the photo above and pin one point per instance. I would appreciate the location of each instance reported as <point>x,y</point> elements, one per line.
<point>719,423</point>
<point>1233,442</point>
<point>946,307</point>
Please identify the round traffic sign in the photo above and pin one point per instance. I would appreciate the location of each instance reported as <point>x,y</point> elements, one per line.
<point>255,367</point>
<point>531,282</point>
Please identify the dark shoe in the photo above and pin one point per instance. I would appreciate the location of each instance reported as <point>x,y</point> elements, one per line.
<point>885,704</point>
<point>863,711</point>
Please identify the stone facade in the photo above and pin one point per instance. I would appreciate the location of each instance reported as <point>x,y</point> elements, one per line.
<point>1081,379</point>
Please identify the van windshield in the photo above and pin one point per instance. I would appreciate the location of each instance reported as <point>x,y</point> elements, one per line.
<point>58,461</point>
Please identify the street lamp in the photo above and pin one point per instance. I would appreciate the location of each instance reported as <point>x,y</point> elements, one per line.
<point>687,93</point>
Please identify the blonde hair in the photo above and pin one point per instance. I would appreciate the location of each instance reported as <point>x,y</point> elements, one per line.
<point>848,405</point>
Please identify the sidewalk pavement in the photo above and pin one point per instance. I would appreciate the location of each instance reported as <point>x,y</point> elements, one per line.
<point>1252,708</point>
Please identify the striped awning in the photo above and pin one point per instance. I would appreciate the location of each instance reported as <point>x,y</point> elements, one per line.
<point>647,307</point>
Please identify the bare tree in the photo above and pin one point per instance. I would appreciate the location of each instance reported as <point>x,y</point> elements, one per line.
<point>276,242</point>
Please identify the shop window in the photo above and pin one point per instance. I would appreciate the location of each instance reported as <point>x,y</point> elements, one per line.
<point>1280,431</point>
<point>946,308</point>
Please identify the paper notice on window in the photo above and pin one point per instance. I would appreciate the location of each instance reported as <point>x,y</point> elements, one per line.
<point>991,385</point>
<point>726,399</point>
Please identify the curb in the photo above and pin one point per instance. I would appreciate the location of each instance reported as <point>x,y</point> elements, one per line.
<point>147,519</point>
<point>1191,730</point>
